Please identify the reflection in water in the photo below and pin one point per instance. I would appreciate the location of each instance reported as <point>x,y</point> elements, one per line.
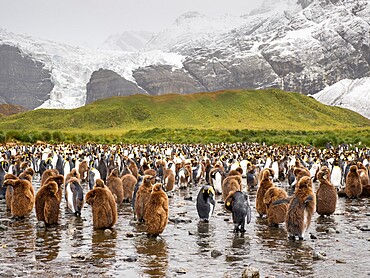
<point>103,244</point>
<point>75,230</point>
<point>295,255</point>
<point>24,236</point>
<point>47,244</point>
<point>324,223</point>
<point>240,241</point>
<point>205,236</point>
<point>153,255</point>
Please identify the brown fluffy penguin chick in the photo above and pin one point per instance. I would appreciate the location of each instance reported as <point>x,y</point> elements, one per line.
<point>169,179</point>
<point>23,199</point>
<point>156,212</point>
<point>59,179</point>
<point>83,170</point>
<point>300,172</point>
<point>353,187</point>
<point>9,190</point>
<point>151,172</point>
<point>47,203</point>
<point>99,183</point>
<point>237,171</point>
<point>142,196</point>
<point>265,184</point>
<point>364,178</point>
<point>326,194</point>
<point>300,210</point>
<point>29,171</point>
<point>103,206</point>
<point>114,183</point>
<point>231,183</point>
<point>128,185</point>
<point>132,166</point>
<point>276,201</point>
<point>48,173</point>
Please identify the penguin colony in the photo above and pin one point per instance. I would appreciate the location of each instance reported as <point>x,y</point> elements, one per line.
<point>105,176</point>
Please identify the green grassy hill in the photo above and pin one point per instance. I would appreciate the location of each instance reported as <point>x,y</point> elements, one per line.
<point>257,110</point>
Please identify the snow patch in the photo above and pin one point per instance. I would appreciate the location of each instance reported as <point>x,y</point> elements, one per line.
<point>348,93</point>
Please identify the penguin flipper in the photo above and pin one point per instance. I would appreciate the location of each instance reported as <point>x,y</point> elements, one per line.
<point>249,211</point>
<point>249,214</point>
<point>308,199</point>
<point>281,201</point>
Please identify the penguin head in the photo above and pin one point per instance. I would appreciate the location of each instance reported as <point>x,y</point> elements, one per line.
<point>305,182</point>
<point>229,201</point>
<point>157,187</point>
<point>99,183</point>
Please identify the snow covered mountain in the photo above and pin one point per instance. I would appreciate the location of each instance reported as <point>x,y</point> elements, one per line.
<point>192,30</point>
<point>70,67</point>
<point>306,46</point>
<point>127,41</point>
<point>348,93</point>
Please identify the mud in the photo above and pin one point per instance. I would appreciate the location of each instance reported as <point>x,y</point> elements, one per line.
<point>336,246</point>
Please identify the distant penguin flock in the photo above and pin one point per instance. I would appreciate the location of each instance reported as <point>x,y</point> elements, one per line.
<point>291,183</point>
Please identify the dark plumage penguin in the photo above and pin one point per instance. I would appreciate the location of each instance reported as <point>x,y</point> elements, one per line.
<point>136,188</point>
<point>60,164</point>
<point>205,202</point>
<point>238,203</point>
<point>291,177</point>
<point>2,174</point>
<point>74,196</point>
<point>103,168</point>
<point>252,180</point>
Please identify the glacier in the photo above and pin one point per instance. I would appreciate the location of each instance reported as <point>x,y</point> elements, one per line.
<point>71,67</point>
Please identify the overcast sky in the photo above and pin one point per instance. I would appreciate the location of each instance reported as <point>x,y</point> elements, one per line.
<point>90,22</point>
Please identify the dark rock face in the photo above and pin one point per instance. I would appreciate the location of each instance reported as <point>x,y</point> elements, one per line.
<point>106,83</point>
<point>161,79</point>
<point>23,81</point>
<point>221,74</point>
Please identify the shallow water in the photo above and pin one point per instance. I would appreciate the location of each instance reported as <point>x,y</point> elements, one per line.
<point>184,250</point>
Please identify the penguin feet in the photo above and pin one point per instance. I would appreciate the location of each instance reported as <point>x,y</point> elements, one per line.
<point>154,236</point>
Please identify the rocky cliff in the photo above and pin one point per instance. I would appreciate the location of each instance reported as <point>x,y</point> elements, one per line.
<point>107,83</point>
<point>23,81</point>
